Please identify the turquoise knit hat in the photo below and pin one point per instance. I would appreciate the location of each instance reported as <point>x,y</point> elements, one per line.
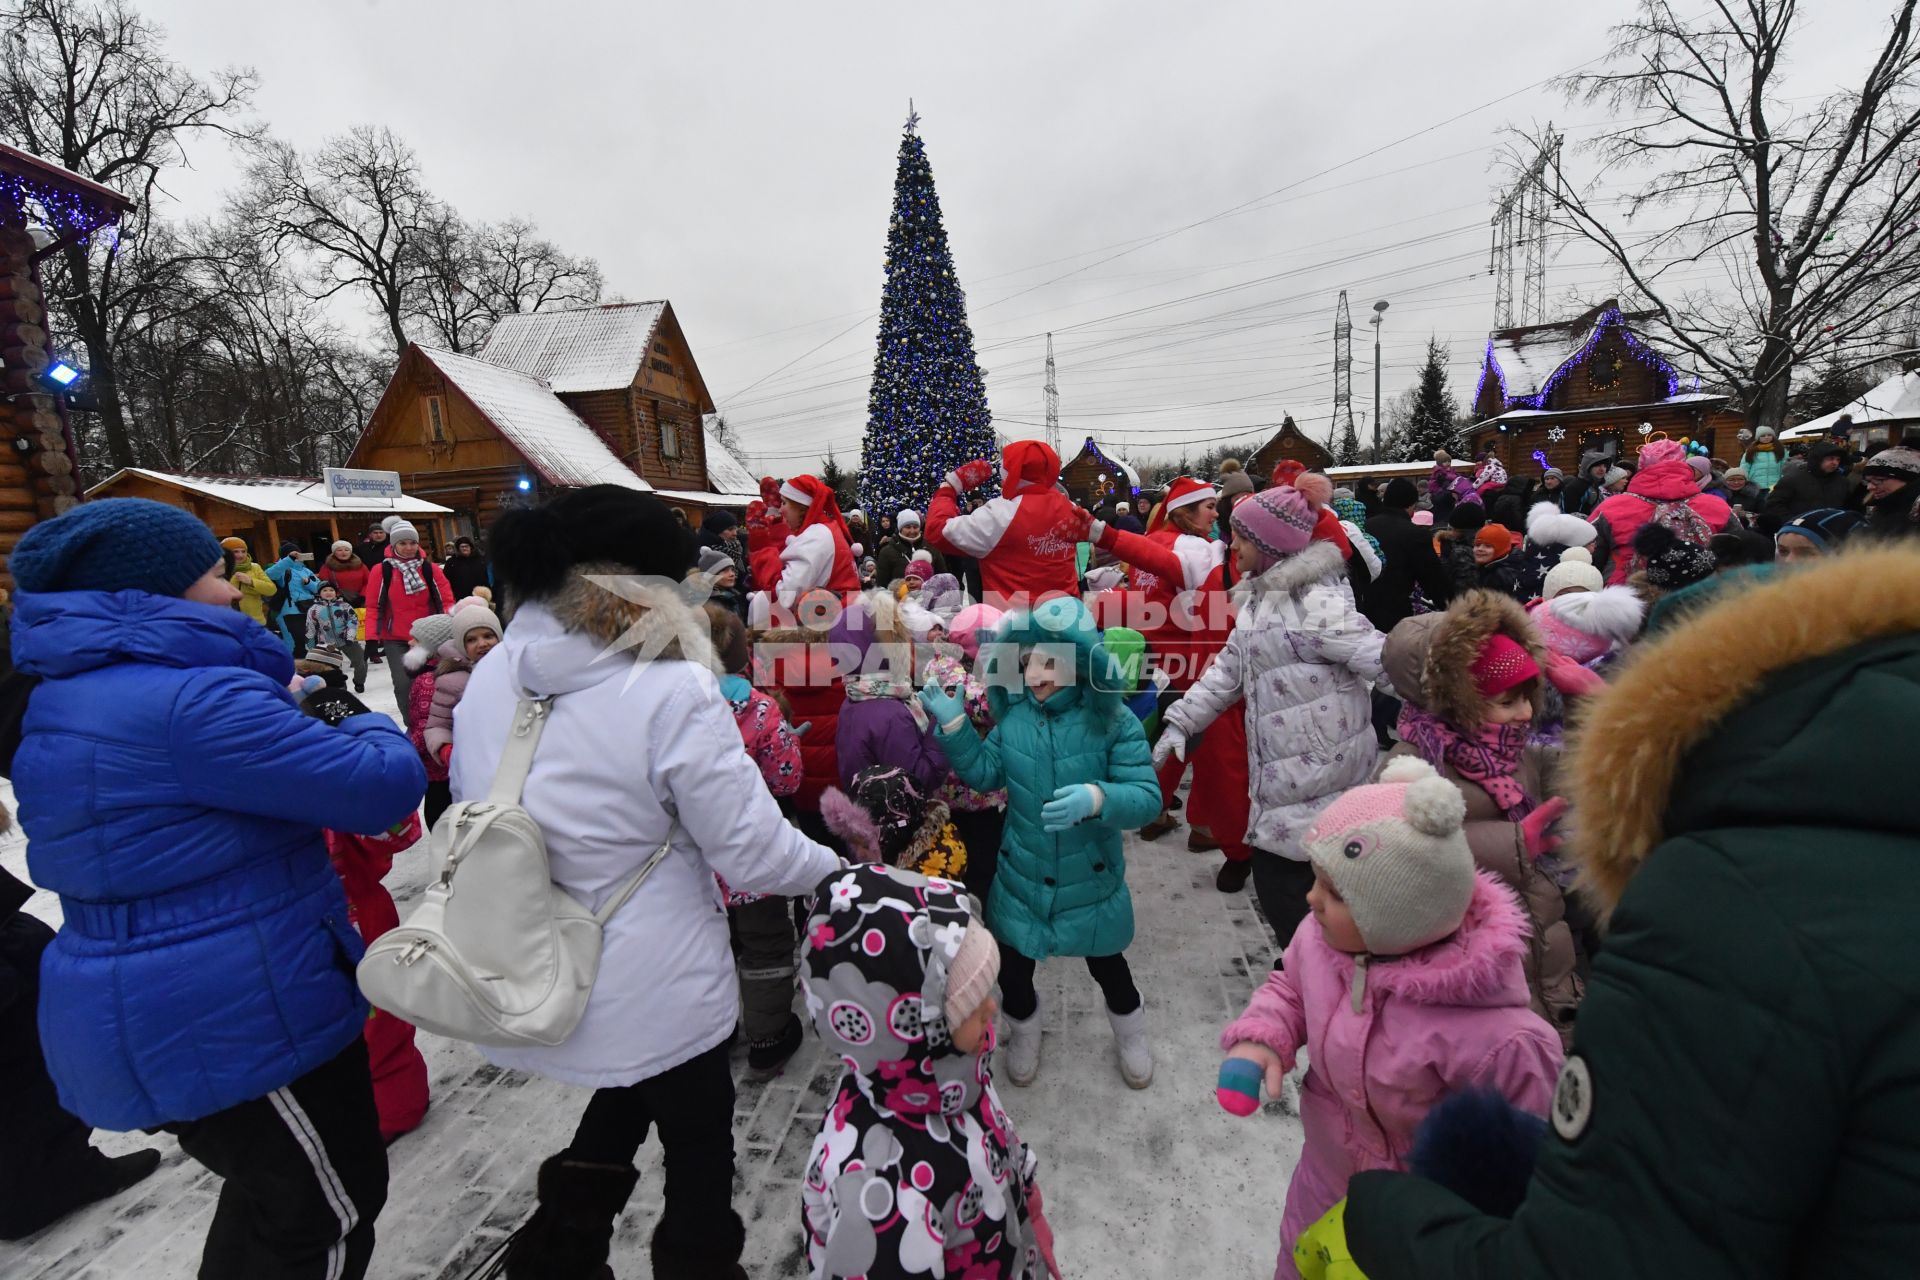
<point>116,544</point>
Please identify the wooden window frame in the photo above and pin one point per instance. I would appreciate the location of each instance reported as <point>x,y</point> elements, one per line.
<point>433,420</point>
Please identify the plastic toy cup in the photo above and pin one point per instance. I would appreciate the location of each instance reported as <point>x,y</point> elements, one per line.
<point>1239,1089</point>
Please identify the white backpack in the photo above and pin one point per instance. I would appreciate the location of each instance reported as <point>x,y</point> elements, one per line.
<point>496,953</point>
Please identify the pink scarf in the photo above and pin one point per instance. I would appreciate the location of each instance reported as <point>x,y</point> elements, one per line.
<point>1488,759</point>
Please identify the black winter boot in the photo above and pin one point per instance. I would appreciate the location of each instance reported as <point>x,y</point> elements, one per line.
<point>571,1232</point>
<point>714,1256</point>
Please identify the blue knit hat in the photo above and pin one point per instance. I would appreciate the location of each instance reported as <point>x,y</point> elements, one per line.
<point>1824,527</point>
<point>116,544</point>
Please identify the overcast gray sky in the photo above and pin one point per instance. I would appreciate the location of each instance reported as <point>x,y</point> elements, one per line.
<point>738,159</point>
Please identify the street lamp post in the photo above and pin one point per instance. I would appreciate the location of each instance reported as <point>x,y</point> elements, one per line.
<point>1379,318</point>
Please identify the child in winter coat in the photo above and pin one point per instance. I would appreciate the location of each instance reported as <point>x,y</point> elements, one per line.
<point>979,816</point>
<point>333,623</point>
<point>882,723</point>
<point>884,818</point>
<point>1303,657</point>
<point>761,927</point>
<point>399,1071</point>
<point>1077,771</point>
<point>1471,681</point>
<point>427,637</point>
<point>917,1170</point>
<point>1405,987</point>
<point>476,630</point>
<point>1495,567</point>
<point>1549,532</point>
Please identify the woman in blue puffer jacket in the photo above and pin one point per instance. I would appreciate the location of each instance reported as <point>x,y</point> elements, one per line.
<point>173,795</point>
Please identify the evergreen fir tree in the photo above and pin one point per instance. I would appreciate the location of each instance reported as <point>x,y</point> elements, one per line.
<point>845,484</point>
<point>927,409</point>
<point>1432,425</point>
<point>1347,452</point>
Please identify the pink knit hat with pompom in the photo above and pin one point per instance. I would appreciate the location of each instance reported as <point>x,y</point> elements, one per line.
<point>1315,488</point>
<point>1277,521</point>
<point>1656,452</point>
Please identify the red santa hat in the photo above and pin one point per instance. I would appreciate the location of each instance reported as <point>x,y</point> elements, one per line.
<point>1185,491</point>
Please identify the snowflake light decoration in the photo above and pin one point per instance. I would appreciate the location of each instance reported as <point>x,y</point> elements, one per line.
<point>1556,434</point>
<point>1646,428</point>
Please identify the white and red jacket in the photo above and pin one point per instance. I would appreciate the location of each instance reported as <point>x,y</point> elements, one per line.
<point>1024,539</point>
<point>1171,573</point>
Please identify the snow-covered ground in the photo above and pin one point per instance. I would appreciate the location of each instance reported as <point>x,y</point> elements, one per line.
<point>1160,1182</point>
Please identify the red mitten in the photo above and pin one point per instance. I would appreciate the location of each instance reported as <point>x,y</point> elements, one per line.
<point>770,492</point>
<point>971,475</point>
<point>1537,828</point>
<point>1078,525</point>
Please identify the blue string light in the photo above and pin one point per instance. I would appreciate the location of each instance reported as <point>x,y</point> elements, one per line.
<point>1611,318</point>
<point>927,409</point>
<point>62,210</point>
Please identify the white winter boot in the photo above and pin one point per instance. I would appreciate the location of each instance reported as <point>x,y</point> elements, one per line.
<point>1136,1055</point>
<point>1022,1057</point>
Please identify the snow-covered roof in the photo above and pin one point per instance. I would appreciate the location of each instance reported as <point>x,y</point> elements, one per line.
<point>273,495</point>
<point>705,497</point>
<point>1696,398</point>
<point>1528,360</point>
<point>1108,458</point>
<point>1363,470</point>
<point>552,437</point>
<point>726,474</point>
<point>1531,355</point>
<point>597,348</point>
<point>1895,400</point>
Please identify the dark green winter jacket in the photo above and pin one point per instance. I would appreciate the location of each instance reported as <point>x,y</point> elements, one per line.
<point>1743,1094</point>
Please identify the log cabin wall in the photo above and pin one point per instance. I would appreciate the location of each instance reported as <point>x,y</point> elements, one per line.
<point>1288,444</point>
<point>37,475</point>
<point>669,393</point>
<point>470,467</point>
<point>1715,427</point>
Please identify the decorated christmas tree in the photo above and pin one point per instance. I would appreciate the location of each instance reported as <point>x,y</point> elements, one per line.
<point>927,410</point>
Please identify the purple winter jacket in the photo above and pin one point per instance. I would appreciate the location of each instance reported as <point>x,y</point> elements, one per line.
<point>880,729</point>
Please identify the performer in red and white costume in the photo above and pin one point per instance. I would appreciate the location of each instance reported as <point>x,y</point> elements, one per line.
<point>1025,538</point>
<point>1172,564</point>
<point>819,554</point>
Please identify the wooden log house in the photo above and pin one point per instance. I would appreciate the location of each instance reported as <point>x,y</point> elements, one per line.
<point>267,510</point>
<point>1587,386</point>
<point>43,209</point>
<point>1082,477</point>
<point>555,399</point>
<point>1289,443</point>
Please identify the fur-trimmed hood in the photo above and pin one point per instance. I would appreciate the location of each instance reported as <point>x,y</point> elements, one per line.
<point>1318,562</point>
<point>1428,657</point>
<point>604,614</point>
<point>1678,690</point>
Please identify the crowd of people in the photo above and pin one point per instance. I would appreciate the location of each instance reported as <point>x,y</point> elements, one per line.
<point>1524,775</point>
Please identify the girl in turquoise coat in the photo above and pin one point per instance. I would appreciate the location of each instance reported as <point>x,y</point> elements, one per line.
<point>1077,772</point>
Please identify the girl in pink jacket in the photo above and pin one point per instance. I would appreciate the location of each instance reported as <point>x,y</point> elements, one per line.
<point>1405,987</point>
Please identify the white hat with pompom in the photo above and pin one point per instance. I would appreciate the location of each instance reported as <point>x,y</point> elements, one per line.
<point>1397,854</point>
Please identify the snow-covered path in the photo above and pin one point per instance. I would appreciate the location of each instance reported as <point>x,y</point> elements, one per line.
<point>1160,1182</point>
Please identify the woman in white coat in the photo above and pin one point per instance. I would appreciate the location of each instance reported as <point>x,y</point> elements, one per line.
<point>1303,657</point>
<point>639,748</point>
